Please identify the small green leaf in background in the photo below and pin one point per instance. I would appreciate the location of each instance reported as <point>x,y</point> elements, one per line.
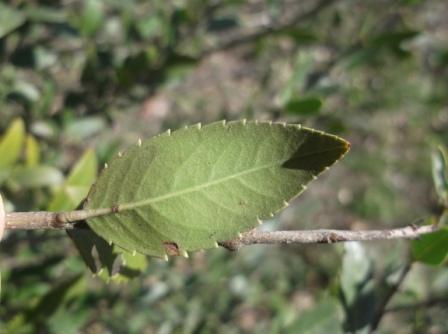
<point>440,173</point>
<point>10,19</point>
<point>432,248</point>
<point>325,317</point>
<point>32,152</point>
<point>81,129</point>
<point>59,297</point>
<point>77,185</point>
<point>91,17</point>
<point>357,287</point>
<point>38,176</point>
<point>307,106</point>
<point>187,190</point>
<point>11,144</point>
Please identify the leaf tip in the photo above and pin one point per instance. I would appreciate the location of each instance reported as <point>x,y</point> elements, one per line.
<point>106,165</point>
<point>244,121</point>
<point>199,126</point>
<point>139,142</point>
<point>215,244</point>
<point>134,252</point>
<point>120,154</point>
<point>168,132</point>
<point>259,221</point>
<point>184,254</point>
<point>165,257</point>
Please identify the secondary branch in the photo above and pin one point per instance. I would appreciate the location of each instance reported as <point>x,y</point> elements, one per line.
<point>325,236</point>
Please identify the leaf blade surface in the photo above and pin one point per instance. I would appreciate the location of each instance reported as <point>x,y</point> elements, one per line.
<point>186,190</point>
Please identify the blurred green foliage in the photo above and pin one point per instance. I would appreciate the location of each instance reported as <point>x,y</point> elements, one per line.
<point>93,76</point>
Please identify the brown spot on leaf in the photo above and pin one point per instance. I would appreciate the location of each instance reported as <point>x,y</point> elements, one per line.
<point>171,248</point>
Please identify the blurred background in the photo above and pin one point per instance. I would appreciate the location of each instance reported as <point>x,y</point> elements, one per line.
<point>80,80</point>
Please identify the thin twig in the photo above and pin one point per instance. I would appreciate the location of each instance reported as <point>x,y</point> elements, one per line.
<point>325,236</point>
<point>66,220</point>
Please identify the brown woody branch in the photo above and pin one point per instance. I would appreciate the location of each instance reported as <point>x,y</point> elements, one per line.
<point>325,236</point>
<point>66,220</point>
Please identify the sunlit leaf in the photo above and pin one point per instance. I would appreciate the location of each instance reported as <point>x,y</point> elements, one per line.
<point>11,143</point>
<point>186,190</point>
<point>10,19</point>
<point>77,185</point>
<point>38,176</point>
<point>32,151</point>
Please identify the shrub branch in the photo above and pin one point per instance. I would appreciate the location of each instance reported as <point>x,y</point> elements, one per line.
<point>66,220</point>
<point>325,236</point>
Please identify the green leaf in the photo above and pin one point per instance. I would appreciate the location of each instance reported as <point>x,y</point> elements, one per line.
<point>186,190</point>
<point>32,151</point>
<point>432,248</point>
<point>325,317</point>
<point>308,106</point>
<point>92,17</point>
<point>356,270</point>
<point>77,185</point>
<point>82,129</point>
<point>357,287</point>
<point>10,19</point>
<point>34,177</point>
<point>11,144</point>
<point>440,173</point>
